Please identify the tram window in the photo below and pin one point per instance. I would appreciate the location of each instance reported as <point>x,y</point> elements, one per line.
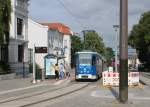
<point>97,60</point>
<point>94,60</point>
<point>85,58</point>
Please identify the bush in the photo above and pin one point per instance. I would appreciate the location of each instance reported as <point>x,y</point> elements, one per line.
<point>38,71</point>
<point>4,68</point>
<point>144,67</point>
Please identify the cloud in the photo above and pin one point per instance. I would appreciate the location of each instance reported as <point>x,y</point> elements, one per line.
<point>87,14</point>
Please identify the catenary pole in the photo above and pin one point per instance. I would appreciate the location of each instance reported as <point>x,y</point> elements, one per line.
<point>123,81</point>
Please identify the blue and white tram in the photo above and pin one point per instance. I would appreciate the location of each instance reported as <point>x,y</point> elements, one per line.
<point>88,65</point>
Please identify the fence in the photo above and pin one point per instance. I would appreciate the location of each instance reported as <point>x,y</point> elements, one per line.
<point>112,78</point>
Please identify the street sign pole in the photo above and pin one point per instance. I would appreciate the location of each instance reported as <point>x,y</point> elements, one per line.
<point>33,74</point>
<point>123,81</point>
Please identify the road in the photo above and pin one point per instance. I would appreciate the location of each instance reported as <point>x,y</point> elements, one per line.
<point>95,95</point>
<point>74,94</point>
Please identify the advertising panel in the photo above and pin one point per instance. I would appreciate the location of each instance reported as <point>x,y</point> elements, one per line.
<point>50,66</point>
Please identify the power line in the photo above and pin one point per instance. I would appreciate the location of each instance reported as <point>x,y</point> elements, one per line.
<point>70,13</point>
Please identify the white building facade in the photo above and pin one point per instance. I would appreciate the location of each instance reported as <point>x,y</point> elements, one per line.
<point>38,37</point>
<point>59,41</point>
<point>18,45</point>
<point>67,49</point>
<point>55,36</point>
<point>55,42</point>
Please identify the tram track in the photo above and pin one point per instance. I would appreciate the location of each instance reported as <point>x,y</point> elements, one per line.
<point>34,94</point>
<point>62,95</point>
<point>48,92</point>
<point>45,100</point>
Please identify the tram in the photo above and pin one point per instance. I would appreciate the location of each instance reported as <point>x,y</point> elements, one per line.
<point>88,65</point>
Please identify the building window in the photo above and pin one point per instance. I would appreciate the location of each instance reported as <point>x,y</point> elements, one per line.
<point>20,53</point>
<point>65,43</point>
<point>19,26</point>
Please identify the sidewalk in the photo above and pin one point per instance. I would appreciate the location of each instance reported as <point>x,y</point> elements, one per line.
<point>144,79</point>
<point>23,83</point>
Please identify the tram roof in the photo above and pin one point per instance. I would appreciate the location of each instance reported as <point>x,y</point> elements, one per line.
<point>87,52</point>
<point>90,52</point>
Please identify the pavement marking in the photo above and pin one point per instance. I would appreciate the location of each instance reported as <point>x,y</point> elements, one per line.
<point>19,89</point>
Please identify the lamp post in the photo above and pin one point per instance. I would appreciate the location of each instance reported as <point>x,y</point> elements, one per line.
<point>116,52</point>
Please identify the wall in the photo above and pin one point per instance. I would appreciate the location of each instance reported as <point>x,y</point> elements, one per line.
<point>55,41</point>
<point>67,49</point>
<point>19,10</point>
<point>37,35</point>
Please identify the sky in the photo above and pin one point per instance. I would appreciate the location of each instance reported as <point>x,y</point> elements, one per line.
<point>78,15</point>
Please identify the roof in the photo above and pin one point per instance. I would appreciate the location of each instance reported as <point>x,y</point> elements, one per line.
<point>58,26</point>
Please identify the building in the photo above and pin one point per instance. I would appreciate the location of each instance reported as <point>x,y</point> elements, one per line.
<point>59,41</point>
<point>54,36</point>
<point>18,45</point>
<point>37,36</point>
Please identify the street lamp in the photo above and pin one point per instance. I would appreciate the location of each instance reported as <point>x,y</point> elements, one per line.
<point>116,54</point>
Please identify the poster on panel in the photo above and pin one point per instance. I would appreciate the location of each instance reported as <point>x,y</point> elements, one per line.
<point>50,66</point>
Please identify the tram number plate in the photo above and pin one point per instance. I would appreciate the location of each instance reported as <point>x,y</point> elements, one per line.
<point>84,76</point>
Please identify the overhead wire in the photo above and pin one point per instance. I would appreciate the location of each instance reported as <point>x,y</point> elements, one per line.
<point>70,13</point>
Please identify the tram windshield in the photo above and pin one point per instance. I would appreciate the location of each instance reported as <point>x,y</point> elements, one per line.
<point>85,58</point>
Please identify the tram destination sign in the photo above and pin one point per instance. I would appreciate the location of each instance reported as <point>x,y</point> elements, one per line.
<point>40,49</point>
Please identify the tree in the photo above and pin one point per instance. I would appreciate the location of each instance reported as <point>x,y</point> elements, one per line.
<point>76,45</point>
<point>94,42</point>
<point>140,39</point>
<point>109,55</point>
<point>5,19</point>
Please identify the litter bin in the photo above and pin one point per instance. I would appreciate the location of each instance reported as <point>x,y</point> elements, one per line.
<point>38,75</point>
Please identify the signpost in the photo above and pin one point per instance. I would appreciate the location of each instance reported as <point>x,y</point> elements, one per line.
<point>34,81</point>
<point>37,50</point>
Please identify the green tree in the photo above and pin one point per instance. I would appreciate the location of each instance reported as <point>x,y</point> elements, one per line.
<point>140,38</point>
<point>94,42</point>
<point>109,55</point>
<point>5,19</point>
<point>76,45</point>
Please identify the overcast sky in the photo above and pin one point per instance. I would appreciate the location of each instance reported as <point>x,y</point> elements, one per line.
<point>79,15</point>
